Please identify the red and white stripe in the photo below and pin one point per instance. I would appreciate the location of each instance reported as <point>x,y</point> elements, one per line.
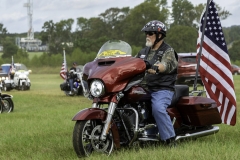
<point>63,71</point>
<point>216,75</point>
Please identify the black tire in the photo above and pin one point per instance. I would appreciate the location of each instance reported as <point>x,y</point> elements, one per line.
<point>6,87</point>
<point>22,87</point>
<point>7,105</point>
<point>82,141</point>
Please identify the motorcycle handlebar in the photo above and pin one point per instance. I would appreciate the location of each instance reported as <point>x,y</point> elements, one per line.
<point>148,64</point>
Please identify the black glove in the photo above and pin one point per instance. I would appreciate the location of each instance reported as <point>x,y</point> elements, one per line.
<point>148,64</point>
<point>154,67</point>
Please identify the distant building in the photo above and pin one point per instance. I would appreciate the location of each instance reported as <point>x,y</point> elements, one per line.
<point>30,44</point>
<point>1,48</point>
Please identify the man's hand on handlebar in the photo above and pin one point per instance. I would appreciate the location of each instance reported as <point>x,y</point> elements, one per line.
<point>155,68</point>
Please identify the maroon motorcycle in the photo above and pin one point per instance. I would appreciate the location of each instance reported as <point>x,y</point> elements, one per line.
<point>120,114</point>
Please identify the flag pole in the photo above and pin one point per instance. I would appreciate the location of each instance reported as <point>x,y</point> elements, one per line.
<point>64,58</point>
<point>65,63</point>
<point>200,49</point>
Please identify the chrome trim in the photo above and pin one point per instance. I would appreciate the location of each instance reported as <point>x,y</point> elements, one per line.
<point>174,120</point>
<point>106,127</point>
<point>149,139</point>
<point>80,76</point>
<point>215,129</point>
<point>94,105</point>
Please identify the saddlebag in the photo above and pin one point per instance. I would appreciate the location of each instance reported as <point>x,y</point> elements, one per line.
<point>64,86</point>
<point>198,111</point>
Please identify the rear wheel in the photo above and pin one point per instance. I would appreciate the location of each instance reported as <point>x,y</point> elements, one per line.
<point>86,138</point>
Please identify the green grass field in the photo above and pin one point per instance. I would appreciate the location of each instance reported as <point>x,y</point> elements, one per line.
<point>40,128</point>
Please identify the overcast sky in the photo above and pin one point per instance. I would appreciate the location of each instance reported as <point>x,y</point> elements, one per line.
<point>14,17</point>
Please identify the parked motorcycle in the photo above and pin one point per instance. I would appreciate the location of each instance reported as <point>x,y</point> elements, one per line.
<point>6,102</point>
<point>120,114</point>
<point>18,80</point>
<point>77,85</point>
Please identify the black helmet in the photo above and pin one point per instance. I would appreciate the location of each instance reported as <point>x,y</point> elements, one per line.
<point>155,26</point>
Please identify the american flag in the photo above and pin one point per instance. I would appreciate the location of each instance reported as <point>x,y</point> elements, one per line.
<point>215,66</point>
<point>63,71</point>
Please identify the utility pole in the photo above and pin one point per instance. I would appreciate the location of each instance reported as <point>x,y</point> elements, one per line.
<point>30,34</point>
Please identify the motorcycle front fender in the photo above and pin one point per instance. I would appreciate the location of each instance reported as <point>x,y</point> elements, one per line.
<point>96,113</point>
<point>90,113</point>
<point>6,96</point>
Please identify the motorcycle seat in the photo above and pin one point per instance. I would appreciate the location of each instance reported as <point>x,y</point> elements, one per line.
<point>180,91</point>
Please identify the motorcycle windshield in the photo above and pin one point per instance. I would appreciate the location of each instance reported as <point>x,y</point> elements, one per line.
<point>114,66</point>
<point>114,49</point>
<point>20,67</point>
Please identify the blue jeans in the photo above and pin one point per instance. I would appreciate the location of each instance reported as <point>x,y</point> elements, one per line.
<point>160,101</point>
<point>71,84</point>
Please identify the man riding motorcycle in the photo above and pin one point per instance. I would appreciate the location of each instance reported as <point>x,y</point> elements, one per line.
<point>161,76</point>
<point>120,113</point>
<point>72,76</point>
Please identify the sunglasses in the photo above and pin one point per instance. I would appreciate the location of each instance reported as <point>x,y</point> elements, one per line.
<point>150,33</point>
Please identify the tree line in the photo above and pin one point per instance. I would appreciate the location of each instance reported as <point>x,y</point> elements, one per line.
<point>181,19</point>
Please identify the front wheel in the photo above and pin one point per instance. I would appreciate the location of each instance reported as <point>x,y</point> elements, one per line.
<point>6,87</point>
<point>8,105</point>
<point>86,138</point>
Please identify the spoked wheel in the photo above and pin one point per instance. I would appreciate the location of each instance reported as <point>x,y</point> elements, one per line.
<point>7,105</point>
<point>86,139</point>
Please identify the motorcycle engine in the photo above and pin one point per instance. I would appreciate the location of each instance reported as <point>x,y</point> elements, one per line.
<point>143,112</point>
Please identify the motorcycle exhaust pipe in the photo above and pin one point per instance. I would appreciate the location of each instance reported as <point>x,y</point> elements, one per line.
<point>215,129</point>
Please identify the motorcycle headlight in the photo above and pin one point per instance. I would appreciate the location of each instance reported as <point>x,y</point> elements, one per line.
<point>97,88</point>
